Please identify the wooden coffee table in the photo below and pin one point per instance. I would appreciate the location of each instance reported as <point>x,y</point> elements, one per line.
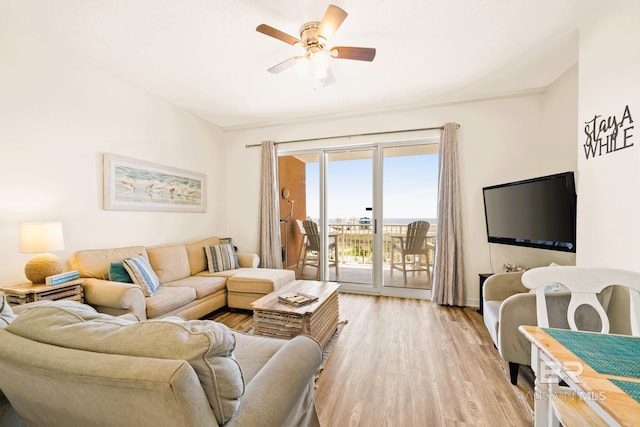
<point>319,319</point>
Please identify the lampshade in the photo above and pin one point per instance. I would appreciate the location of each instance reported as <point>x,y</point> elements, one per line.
<point>41,238</point>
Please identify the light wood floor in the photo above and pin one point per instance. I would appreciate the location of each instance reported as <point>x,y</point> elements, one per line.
<point>406,362</point>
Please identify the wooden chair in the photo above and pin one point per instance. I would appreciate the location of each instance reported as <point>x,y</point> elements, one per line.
<point>414,244</point>
<point>303,242</point>
<point>313,246</point>
<point>584,284</point>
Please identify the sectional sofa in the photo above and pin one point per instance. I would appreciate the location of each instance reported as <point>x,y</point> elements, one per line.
<point>62,364</point>
<point>190,280</point>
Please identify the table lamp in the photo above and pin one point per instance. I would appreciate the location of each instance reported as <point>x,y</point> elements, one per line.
<point>41,238</point>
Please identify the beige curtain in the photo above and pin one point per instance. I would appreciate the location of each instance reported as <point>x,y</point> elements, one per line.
<point>270,248</point>
<point>448,287</point>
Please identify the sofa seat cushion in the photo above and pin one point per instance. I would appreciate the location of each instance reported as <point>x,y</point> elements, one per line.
<point>204,286</point>
<point>170,262</point>
<point>259,280</point>
<point>207,346</point>
<point>252,352</point>
<point>166,299</point>
<point>226,273</point>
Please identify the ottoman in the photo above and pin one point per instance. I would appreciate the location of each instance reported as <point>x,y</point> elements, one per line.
<point>245,287</point>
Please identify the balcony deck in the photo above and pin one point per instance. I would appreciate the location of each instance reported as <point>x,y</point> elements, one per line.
<point>361,274</point>
<point>355,257</point>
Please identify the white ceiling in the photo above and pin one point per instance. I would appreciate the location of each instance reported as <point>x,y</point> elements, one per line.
<point>206,57</point>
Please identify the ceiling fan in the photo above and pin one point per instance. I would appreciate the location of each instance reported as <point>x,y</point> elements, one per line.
<point>313,38</point>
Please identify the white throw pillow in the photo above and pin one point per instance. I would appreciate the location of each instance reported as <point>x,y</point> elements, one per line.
<point>6,313</point>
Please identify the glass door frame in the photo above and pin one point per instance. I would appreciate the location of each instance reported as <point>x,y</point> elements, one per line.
<point>377,215</point>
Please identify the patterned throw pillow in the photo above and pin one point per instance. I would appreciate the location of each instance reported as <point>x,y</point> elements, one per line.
<point>117,273</point>
<point>142,274</point>
<point>221,258</point>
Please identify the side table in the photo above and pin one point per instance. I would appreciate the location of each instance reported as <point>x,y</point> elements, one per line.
<point>28,292</point>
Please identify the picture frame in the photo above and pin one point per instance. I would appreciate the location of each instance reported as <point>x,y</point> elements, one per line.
<point>137,185</point>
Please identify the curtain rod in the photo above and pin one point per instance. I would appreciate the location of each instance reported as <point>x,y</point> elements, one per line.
<point>349,136</point>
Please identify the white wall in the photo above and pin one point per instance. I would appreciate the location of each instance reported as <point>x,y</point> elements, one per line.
<point>608,204</point>
<point>500,140</point>
<point>58,115</point>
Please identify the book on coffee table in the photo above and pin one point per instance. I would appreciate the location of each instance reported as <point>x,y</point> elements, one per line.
<point>297,298</point>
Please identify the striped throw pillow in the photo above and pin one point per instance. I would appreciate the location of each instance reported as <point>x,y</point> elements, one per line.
<point>221,258</point>
<point>142,274</point>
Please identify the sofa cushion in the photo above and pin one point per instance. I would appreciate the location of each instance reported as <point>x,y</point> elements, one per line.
<point>170,262</point>
<point>207,346</point>
<point>253,352</point>
<point>204,286</point>
<point>167,299</point>
<point>260,280</point>
<point>117,273</point>
<point>221,258</point>
<point>226,273</point>
<point>96,262</point>
<point>491,318</point>
<point>197,257</point>
<point>142,274</point>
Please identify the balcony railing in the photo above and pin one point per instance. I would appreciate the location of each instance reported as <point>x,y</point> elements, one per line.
<point>355,241</point>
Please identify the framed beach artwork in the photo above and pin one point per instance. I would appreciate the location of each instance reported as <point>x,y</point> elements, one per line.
<point>136,185</point>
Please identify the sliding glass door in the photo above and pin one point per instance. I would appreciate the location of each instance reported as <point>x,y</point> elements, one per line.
<point>375,211</point>
<point>410,197</point>
<point>349,207</point>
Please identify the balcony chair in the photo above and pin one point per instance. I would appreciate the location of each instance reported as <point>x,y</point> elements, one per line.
<point>303,242</point>
<point>314,247</point>
<point>414,244</point>
<point>584,284</point>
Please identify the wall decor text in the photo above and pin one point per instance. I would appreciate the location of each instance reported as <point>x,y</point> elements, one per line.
<point>607,135</point>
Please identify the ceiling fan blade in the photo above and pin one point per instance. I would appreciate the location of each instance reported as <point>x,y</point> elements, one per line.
<point>277,34</point>
<point>333,18</point>
<point>284,65</point>
<point>357,53</point>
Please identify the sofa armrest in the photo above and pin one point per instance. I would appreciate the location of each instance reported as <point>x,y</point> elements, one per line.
<point>501,286</point>
<point>283,383</point>
<point>520,309</point>
<point>516,310</point>
<point>248,260</point>
<point>115,298</point>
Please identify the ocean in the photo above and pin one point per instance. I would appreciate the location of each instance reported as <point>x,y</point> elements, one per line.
<point>386,221</point>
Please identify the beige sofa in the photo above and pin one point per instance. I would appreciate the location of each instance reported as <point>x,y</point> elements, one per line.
<point>508,304</point>
<point>187,288</point>
<point>64,364</point>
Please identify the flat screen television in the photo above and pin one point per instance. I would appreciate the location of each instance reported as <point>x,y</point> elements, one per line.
<point>538,212</point>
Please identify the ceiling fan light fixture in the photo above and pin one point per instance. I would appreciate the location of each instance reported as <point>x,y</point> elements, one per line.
<point>320,63</point>
<point>314,36</point>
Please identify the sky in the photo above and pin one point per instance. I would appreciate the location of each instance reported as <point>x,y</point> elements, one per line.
<point>409,186</point>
